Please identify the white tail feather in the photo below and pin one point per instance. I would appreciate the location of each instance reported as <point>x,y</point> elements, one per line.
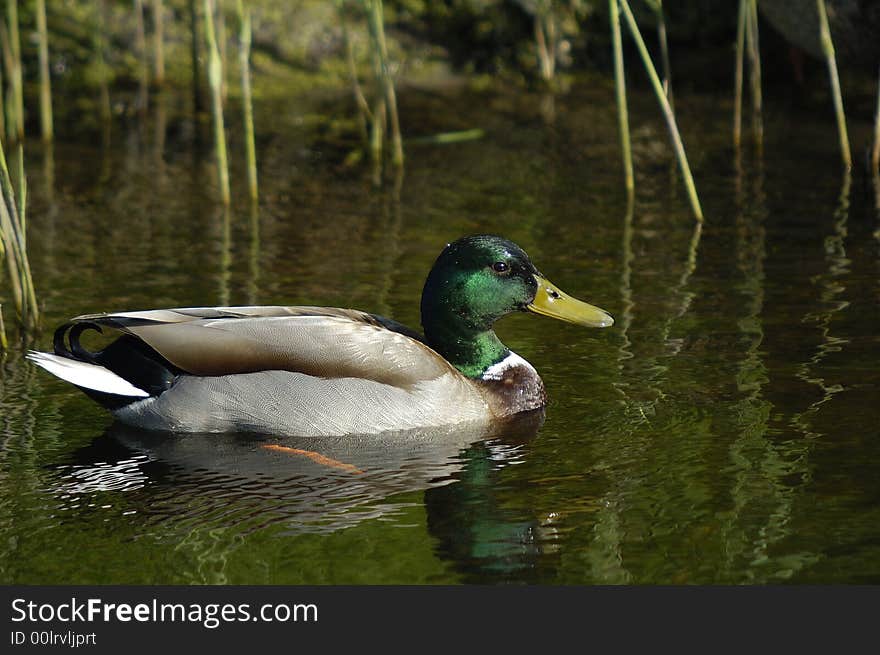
<point>83,374</point>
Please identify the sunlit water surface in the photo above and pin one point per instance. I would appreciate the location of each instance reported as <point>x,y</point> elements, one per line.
<point>725,430</point>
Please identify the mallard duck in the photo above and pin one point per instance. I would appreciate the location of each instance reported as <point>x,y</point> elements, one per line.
<point>321,371</point>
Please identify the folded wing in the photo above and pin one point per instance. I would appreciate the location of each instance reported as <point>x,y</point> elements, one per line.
<point>318,341</point>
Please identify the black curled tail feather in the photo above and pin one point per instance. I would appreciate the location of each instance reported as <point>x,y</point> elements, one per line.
<point>127,356</point>
<point>72,331</point>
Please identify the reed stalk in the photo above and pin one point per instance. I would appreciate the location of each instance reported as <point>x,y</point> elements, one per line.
<point>376,19</point>
<point>215,75</point>
<point>365,116</point>
<point>194,55</point>
<point>2,91</point>
<point>140,41</point>
<point>377,138</point>
<point>160,126</point>
<point>664,54</point>
<point>100,27</point>
<point>8,109</point>
<point>754,50</point>
<point>244,19</point>
<point>657,7</point>
<point>831,60</point>
<point>14,244</point>
<point>620,87</point>
<point>220,22</point>
<point>377,127</point>
<point>21,196</point>
<point>15,68</point>
<point>738,73</point>
<point>875,154</point>
<point>158,42</point>
<point>666,108</point>
<point>545,39</point>
<point>4,342</point>
<point>46,127</point>
<point>8,233</point>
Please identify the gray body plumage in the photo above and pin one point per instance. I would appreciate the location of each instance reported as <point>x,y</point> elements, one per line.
<point>283,402</point>
<point>306,371</point>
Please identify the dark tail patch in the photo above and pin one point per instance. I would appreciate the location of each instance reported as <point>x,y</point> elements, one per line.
<point>128,357</point>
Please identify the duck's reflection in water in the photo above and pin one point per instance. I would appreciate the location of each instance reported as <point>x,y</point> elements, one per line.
<point>477,529</point>
<point>251,482</point>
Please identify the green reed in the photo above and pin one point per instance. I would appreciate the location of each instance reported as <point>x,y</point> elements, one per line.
<point>747,45</point>
<point>379,122</point>
<point>158,42</point>
<point>875,153</point>
<point>220,25</point>
<point>738,72</point>
<point>376,21</point>
<point>99,30</point>
<point>620,86</point>
<point>545,39</point>
<point>244,19</point>
<point>215,77</point>
<point>3,94</point>
<point>140,46</point>
<point>657,7</point>
<point>46,127</point>
<point>665,107</point>
<point>13,243</point>
<point>14,100</point>
<point>365,116</point>
<point>194,54</point>
<point>17,85</point>
<point>754,52</point>
<point>831,60</point>
<point>4,342</point>
<point>8,108</point>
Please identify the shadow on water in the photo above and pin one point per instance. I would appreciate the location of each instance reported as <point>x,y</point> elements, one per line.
<point>247,483</point>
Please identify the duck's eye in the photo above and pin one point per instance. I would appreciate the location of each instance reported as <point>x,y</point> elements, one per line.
<point>500,267</point>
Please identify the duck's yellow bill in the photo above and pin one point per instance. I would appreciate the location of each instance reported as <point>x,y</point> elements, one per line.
<point>550,301</point>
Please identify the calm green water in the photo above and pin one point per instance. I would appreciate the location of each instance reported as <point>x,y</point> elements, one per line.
<point>725,430</point>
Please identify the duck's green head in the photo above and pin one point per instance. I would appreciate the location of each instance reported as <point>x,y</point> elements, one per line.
<point>477,280</point>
